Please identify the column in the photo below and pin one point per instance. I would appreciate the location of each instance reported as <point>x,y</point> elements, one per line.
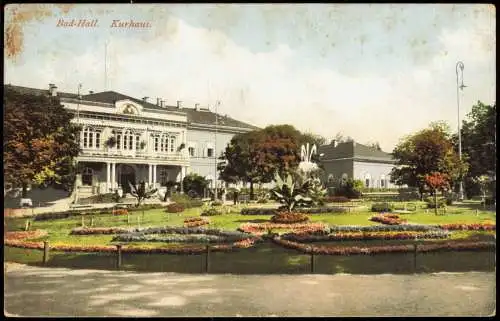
<point>150,174</point>
<point>154,175</point>
<point>113,175</point>
<point>108,176</point>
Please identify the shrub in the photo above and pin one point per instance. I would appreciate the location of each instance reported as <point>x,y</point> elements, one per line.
<point>212,211</point>
<point>216,203</point>
<point>389,219</point>
<point>350,188</point>
<point>174,208</point>
<point>195,221</point>
<point>289,218</point>
<point>430,202</point>
<point>337,199</point>
<point>382,207</point>
<point>186,201</point>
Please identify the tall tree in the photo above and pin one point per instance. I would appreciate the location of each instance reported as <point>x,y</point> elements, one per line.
<point>39,142</point>
<point>429,150</point>
<point>479,144</point>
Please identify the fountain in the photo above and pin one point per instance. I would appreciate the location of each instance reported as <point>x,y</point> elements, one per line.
<point>306,166</point>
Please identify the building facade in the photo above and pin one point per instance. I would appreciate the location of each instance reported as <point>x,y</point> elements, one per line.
<point>127,140</point>
<point>356,161</point>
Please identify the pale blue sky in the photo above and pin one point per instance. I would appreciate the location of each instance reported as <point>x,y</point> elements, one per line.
<point>373,72</point>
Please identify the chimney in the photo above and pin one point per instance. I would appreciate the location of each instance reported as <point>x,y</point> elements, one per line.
<point>196,106</point>
<point>157,101</point>
<point>52,90</point>
<point>179,104</point>
<point>161,103</point>
<point>145,98</point>
<point>333,143</point>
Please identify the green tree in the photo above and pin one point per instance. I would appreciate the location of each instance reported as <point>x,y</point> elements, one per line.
<point>39,142</point>
<point>478,134</point>
<point>429,150</point>
<point>195,183</point>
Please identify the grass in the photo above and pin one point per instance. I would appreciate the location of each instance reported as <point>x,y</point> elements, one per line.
<point>59,229</point>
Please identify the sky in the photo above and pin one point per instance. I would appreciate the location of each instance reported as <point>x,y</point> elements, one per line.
<point>372,72</point>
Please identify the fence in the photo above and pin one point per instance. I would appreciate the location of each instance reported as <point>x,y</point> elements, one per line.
<point>265,258</point>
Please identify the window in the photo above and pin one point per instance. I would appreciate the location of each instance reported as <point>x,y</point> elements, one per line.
<point>172,144</point>
<point>191,151</point>
<point>137,141</point>
<point>210,152</point>
<point>98,139</point>
<point>382,181</point>
<point>157,140</point>
<point>367,180</point>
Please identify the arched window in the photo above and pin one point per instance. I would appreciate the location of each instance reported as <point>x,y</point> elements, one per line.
<point>128,140</point>
<point>330,178</point>
<point>138,141</point>
<point>92,137</point>
<point>382,181</point>
<point>345,177</point>
<point>87,174</point>
<point>367,179</point>
<point>118,136</point>
<point>172,143</point>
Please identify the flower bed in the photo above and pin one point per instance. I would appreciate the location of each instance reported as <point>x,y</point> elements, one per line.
<point>468,227</point>
<point>99,230</point>
<point>195,221</point>
<point>361,236</point>
<point>120,211</point>
<point>289,218</point>
<point>22,235</point>
<point>261,228</point>
<point>389,219</point>
<point>174,208</point>
<point>305,210</point>
<point>350,250</point>
<point>383,228</point>
<point>211,212</point>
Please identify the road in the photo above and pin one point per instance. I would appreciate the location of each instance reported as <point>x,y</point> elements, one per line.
<point>37,291</point>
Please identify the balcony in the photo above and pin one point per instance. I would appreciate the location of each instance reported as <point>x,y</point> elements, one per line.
<point>139,154</point>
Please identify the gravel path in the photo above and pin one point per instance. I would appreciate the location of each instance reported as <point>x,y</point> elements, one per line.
<point>36,291</point>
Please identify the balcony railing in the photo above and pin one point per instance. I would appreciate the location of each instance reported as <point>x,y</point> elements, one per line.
<point>176,156</point>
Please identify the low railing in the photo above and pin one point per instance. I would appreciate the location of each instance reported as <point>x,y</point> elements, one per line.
<point>134,153</point>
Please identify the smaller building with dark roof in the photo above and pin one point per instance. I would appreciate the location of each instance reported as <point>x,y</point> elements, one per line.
<point>357,161</point>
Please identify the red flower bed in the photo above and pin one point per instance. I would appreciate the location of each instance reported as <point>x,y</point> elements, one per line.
<point>174,208</point>
<point>389,219</point>
<point>469,227</point>
<point>195,221</point>
<point>289,218</point>
<point>260,228</point>
<point>120,211</point>
<point>359,236</point>
<point>21,235</point>
<point>344,250</point>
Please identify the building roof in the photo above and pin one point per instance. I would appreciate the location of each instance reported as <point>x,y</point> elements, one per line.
<point>353,150</point>
<point>36,91</point>
<point>198,116</point>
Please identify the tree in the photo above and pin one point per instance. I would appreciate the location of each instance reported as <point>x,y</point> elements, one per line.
<point>478,134</point>
<point>237,162</point>
<point>375,146</point>
<point>340,138</point>
<point>140,192</point>
<point>437,181</point>
<point>40,142</point>
<point>429,150</point>
<point>195,183</point>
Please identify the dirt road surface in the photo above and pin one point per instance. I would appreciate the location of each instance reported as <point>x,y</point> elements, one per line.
<point>37,291</point>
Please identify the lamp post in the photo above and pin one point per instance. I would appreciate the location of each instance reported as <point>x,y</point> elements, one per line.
<point>460,86</point>
<point>215,150</point>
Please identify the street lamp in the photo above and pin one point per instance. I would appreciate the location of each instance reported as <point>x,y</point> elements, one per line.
<point>460,86</point>
<point>215,150</point>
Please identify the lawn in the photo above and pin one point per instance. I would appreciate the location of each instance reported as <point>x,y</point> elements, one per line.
<point>59,229</point>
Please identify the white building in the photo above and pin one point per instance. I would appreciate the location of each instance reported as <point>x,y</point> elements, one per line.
<point>125,139</point>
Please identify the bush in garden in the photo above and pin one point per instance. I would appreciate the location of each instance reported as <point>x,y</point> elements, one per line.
<point>216,203</point>
<point>120,211</point>
<point>349,188</point>
<point>382,207</point>
<point>212,211</point>
<point>174,208</point>
<point>186,201</point>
